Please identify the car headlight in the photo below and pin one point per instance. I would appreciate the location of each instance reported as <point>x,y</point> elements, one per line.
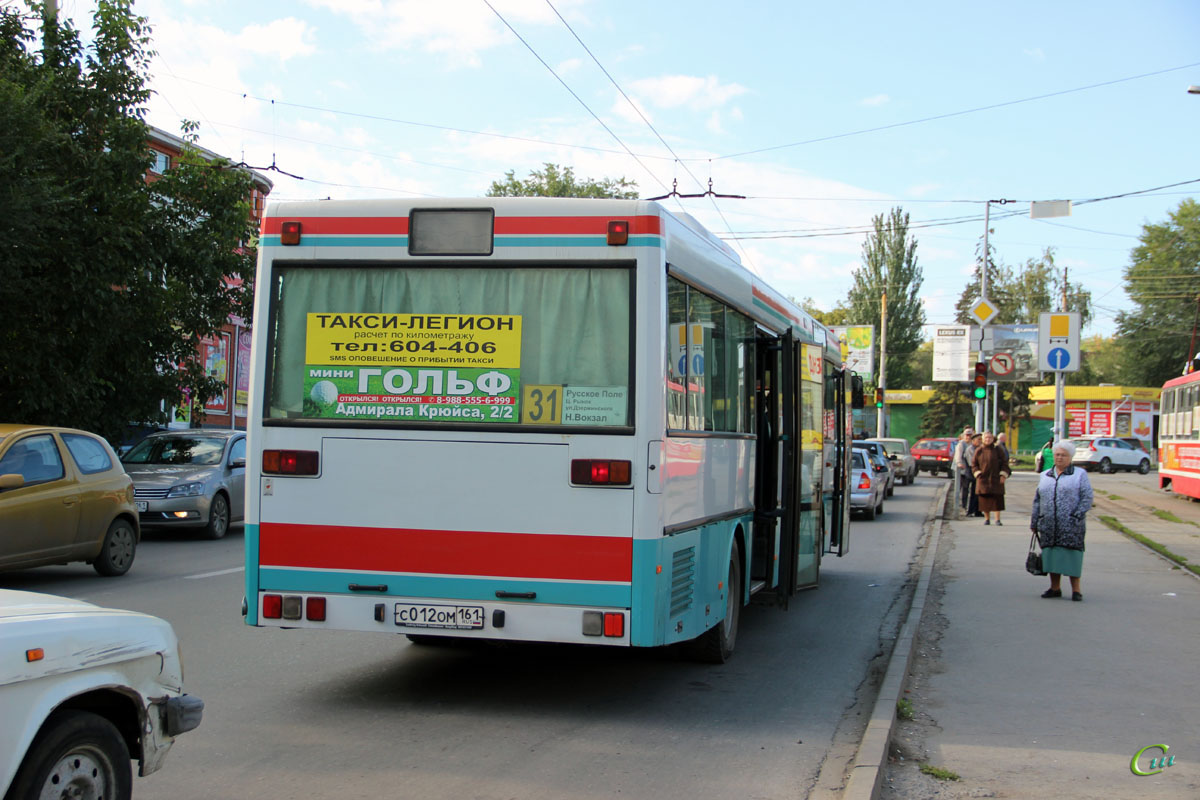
<point>186,490</point>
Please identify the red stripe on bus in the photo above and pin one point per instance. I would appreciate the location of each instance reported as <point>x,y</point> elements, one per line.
<point>773,303</point>
<point>504,225</point>
<point>315,225</point>
<point>574,225</point>
<point>515,555</point>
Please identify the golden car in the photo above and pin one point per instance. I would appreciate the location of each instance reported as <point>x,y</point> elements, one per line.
<point>64,497</point>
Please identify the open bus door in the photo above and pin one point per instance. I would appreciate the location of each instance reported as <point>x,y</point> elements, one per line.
<point>848,389</point>
<point>769,463</point>
<point>789,501</point>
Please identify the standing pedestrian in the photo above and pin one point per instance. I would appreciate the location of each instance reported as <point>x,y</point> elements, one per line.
<point>969,458</point>
<point>1060,506</point>
<point>1002,443</point>
<point>991,470</point>
<point>964,471</point>
<point>1045,459</point>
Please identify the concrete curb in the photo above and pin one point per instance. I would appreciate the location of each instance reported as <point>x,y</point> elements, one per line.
<point>867,773</point>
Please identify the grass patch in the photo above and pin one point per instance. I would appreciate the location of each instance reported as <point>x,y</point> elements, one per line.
<point>904,708</point>
<point>1113,496</point>
<point>1167,515</point>
<point>1113,523</point>
<point>940,773</point>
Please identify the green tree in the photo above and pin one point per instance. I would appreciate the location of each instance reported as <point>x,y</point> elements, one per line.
<point>555,181</point>
<point>1100,362</point>
<point>107,282</point>
<point>834,316</point>
<point>1163,281</point>
<point>889,265</point>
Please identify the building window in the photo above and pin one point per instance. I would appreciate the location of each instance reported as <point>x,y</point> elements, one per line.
<point>161,162</point>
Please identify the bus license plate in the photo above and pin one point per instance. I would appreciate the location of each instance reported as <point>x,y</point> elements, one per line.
<point>437,616</point>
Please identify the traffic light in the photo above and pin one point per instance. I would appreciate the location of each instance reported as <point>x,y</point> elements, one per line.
<point>878,397</point>
<point>980,380</point>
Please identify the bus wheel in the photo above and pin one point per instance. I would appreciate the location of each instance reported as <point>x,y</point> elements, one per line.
<point>715,645</point>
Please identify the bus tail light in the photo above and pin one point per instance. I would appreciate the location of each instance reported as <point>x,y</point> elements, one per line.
<point>272,606</point>
<point>601,472</point>
<point>289,233</point>
<point>614,625</point>
<point>314,609</point>
<point>618,232</point>
<point>290,462</point>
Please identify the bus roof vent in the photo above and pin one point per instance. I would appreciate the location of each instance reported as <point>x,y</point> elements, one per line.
<point>693,223</point>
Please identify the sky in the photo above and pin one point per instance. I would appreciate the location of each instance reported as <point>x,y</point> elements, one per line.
<point>822,115</point>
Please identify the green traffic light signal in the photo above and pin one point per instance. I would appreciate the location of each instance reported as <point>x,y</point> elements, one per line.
<point>980,392</point>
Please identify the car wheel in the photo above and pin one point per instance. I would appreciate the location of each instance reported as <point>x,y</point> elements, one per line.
<point>1106,466</point>
<point>117,550</point>
<point>891,489</point>
<point>218,517</point>
<point>715,645</point>
<point>76,754</point>
<point>1144,467</point>
<point>870,512</point>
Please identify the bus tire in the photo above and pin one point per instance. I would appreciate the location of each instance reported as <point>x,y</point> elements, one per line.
<point>715,645</point>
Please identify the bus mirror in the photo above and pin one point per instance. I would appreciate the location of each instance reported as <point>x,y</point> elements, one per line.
<point>856,392</point>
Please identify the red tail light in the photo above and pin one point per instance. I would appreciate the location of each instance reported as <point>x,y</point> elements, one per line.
<point>289,233</point>
<point>864,481</point>
<point>272,606</point>
<point>618,232</point>
<point>1092,445</point>
<point>600,472</point>
<point>290,462</point>
<point>614,624</point>
<point>314,609</point>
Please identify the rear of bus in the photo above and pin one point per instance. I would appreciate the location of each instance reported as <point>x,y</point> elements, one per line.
<point>442,422</point>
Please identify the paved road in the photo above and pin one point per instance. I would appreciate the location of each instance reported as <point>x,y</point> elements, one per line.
<point>301,714</point>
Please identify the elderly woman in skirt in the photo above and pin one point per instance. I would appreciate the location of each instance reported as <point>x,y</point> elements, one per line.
<point>1060,505</point>
<point>990,468</point>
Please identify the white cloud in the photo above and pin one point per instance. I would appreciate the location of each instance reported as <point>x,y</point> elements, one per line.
<point>282,39</point>
<point>1035,54</point>
<point>676,91</point>
<point>876,100</point>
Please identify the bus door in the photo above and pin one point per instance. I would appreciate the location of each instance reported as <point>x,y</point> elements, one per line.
<point>768,461</point>
<point>838,513</point>
<point>790,577</point>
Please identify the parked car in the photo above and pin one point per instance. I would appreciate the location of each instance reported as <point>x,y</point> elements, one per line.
<point>934,456</point>
<point>879,456</point>
<point>84,691</point>
<point>190,479</point>
<point>867,486</point>
<point>1108,454</point>
<point>64,498</point>
<point>903,462</point>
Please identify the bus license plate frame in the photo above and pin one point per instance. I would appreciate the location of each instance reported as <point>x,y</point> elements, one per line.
<point>433,615</point>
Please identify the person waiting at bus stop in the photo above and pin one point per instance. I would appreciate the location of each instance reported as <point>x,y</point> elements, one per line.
<point>990,469</point>
<point>964,473</point>
<point>1060,506</point>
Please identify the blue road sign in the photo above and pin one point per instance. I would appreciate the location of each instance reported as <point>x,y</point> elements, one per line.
<point>1058,358</point>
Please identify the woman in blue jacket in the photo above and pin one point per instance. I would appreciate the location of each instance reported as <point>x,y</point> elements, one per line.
<point>1060,506</point>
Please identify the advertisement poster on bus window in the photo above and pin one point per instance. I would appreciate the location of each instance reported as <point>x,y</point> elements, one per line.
<point>422,367</point>
<point>241,395</point>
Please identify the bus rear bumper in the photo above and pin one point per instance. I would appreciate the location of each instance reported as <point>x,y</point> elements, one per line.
<point>425,616</point>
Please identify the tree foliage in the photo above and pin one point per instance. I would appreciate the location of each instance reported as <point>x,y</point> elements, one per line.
<point>889,265</point>
<point>107,282</point>
<point>555,181</point>
<point>1163,281</point>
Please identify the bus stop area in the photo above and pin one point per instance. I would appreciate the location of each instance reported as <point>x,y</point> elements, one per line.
<point>1008,694</point>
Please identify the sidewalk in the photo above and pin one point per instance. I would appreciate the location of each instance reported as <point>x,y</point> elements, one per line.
<point>1027,697</point>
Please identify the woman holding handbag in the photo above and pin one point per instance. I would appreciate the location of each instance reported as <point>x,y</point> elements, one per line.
<point>1060,506</point>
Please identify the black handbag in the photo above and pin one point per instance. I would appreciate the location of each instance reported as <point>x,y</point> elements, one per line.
<point>1033,561</point>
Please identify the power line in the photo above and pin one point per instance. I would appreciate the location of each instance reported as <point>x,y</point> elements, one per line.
<point>952,114</point>
<point>579,99</point>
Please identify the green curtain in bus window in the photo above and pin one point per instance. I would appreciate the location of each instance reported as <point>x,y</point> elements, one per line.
<point>706,352</point>
<point>575,323</point>
<point>676,354</point>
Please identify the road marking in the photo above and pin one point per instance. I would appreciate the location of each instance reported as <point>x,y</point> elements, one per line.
<point>214,574</point>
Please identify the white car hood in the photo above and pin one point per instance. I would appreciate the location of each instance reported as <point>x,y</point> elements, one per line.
<point>14,603</point>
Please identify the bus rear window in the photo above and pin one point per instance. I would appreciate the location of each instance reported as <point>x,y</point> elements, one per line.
<point>452,345</point>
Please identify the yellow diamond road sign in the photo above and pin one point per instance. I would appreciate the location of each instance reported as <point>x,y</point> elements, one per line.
<point>983,311</point>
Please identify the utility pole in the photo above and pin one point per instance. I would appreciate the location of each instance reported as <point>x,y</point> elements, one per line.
<point>879,412</point>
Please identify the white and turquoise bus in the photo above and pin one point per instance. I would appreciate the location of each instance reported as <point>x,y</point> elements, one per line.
<point>532,419</point>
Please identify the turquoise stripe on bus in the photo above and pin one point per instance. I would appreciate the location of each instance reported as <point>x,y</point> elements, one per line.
<point>250,538</point>
<point>446,588</point>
